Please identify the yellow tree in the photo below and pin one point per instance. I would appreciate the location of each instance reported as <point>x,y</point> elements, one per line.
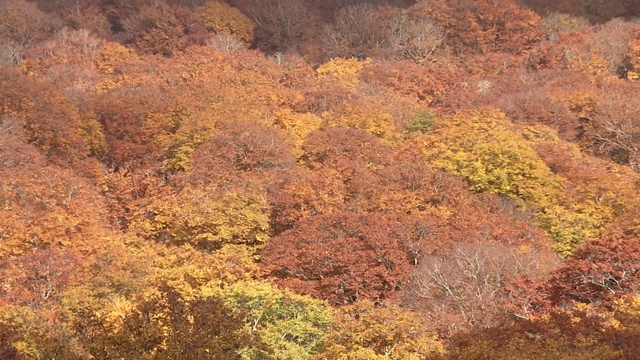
<point>372,331</point>
<point>485,149</point>
<point>205,218</point>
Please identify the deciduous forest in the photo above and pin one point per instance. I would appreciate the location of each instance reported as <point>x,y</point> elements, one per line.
<point>319,179</point>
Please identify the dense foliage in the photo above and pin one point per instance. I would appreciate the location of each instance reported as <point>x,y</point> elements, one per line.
<point>299,179</point>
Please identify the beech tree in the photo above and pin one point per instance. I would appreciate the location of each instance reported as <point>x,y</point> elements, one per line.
<point>468,145</point>
<point>292,326</point>
<point>368,330</point>
<point>598,273</point>
<point>164,325</point>
<point>23,25</point>
<point>344,257</point>
<point>50,120</point>
<point>206,218</point>
<point>156,30</point>
<point>463,287</point>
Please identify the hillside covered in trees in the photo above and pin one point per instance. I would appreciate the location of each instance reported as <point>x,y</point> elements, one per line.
<point>319,179</point>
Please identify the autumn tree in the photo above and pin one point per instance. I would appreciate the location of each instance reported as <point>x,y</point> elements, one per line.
<point>599,197</point>
<point>50,120</point>
<point>281,24</point>
<point>123,190</point>
<point>436,86</point>
<point>462,287</point>
<point>593,10</point>
<point>567,218</point>
<point>23,25</point>
<point>467,144</point>
<point>127,116</point>
<point>613,127</point>
<point>292,326</point>
<point>578,334</point>
<point>88,15</point>
<point>633,71</point>
<point>45,207</point>
<point>65,60</point>
<point>115,302</point>
<point>221,19</point>
<point>350,154</point>
<point>26,334</point>
<point>243,150</point>
<point>15,150</point>
<point>357,31</point>
<point>163,324</point>
<point>598,273</point>
<point>338,173</point>
<point>555,24</point>
<point>483,26</point>
<point>345,70</point>
<point>206,218</point>
<point>344,257</point>
<point>155,29</point>
<point>414,36</point>
<point>368,330</point>
<point>38,279</point>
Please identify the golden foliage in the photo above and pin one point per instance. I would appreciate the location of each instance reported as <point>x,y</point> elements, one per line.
<point>204,218</point>
<point>368,331</point>
<point>496,157</point>
<point>483,147</point>
<point>345,70</point>
<point>220,18</point>
<point>297,125</point>
<point>110,55</point>
<point>371,119</point>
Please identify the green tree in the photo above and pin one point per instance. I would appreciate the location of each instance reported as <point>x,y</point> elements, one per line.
<point>293,326</point>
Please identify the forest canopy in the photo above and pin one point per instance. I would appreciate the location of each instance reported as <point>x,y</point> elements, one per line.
<point>301,179</point>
